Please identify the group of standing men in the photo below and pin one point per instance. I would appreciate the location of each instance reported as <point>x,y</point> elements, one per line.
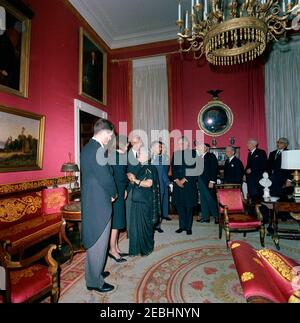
<point>186,188</point>
<point>99,189</point>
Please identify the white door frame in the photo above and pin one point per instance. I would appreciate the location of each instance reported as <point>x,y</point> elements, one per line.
<point>83,106</point>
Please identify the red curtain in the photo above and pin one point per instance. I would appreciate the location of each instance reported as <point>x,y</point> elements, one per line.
<point>257,127</point>
<point>176,92</point>
<point>121,94</point>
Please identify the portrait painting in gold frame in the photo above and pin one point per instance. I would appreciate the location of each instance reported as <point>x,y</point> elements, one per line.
<point>15,51</point>
<point>21,140</point>
<point>92,69</point>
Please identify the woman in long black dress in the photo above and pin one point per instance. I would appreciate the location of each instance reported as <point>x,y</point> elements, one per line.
<point>145,209</point>
<point>118,162</point>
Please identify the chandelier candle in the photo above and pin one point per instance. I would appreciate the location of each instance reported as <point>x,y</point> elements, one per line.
<point>179,11</point>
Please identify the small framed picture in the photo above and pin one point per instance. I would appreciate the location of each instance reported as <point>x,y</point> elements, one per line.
<point>21,140</point>
<point>92,69</point>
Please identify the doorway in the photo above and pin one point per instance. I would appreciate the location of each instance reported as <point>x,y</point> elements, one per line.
<point>85,117</point>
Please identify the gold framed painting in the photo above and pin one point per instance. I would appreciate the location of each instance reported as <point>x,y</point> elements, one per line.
<point>92,69</point>
<point>15,51</point>
<point>21,140</point>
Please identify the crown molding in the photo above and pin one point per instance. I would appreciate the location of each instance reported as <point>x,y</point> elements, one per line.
<point>142,38</point>
<point>106,31</point>
<point>95,22</point>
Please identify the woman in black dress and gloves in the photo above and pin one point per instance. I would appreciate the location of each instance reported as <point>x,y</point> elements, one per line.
<point>146,207</point>
<point>118,161</point>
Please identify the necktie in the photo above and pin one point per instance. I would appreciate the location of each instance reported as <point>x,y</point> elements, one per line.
<point>277,154</point>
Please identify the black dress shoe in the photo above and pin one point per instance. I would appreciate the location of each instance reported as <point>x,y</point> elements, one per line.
<point>189,232</point>
<point>159,230</point>
<point>105,274</point>
<point>167,219</point>
<point>119,260</point>
<point>204,221</point>
<point>179,230</point>
<point>104,289</point>
<point>198,220</point>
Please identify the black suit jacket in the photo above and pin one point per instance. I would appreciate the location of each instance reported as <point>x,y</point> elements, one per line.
<point>277,175</point>
<point>187,196</point>
<point>233,171</point>
<point>97,189</point>
<point>211,169</point>
<point>257,162</point>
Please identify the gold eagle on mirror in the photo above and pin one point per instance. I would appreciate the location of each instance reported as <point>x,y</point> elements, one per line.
<point>215,118</point>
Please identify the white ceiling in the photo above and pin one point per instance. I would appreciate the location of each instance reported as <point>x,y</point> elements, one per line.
<point>123,23</point>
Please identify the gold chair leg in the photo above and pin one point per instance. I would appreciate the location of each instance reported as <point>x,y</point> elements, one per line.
<point>65,238</point>
<point>262,233</point>
<point>227,232</point>
<point>55,293</point>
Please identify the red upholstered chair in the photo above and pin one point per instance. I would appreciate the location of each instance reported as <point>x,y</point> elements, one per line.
<point>53,200</point>
<point>233,217</point>
<point>27,280</point>
<point>266,275</point>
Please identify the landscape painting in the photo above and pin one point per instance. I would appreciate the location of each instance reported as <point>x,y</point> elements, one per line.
<point>21,140</point>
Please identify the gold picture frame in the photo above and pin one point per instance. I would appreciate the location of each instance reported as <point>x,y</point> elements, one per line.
<point>15,48</point>
<point>21,140</point>
<point>215,118</point>
<point>92,69</point>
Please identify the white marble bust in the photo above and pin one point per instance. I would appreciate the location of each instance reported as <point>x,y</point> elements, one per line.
<point>266,183</point>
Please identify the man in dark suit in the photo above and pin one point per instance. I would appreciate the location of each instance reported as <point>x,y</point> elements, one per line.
<point>256,166</point>
<point>277,175</point>
<point>185,193</point>
<point>233,169</point>
<point>98,191</point>
<point>206,183</point>
<point>162,165</point>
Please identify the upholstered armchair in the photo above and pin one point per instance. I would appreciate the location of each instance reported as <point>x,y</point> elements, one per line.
<point>266,276</point>
<point>233,217</point>
<point>27,280</point>
<point>53,201</point>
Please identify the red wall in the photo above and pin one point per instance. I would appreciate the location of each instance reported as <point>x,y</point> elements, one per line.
<point>53,84</point>
<point>238,95</point>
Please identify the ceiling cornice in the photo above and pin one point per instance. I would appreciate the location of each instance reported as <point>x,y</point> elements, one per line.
<point>144,38</point>
<point>85,24</point>
<point>93,21</point>
<point>105,29</point>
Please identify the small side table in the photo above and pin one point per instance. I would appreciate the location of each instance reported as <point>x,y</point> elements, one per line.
<point>72,214</point>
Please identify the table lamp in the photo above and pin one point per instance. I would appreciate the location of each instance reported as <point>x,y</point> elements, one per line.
<point>291,160</point>
<point>71,168</point>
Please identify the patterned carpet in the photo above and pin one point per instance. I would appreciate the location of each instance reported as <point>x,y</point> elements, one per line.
<point>182,269</point>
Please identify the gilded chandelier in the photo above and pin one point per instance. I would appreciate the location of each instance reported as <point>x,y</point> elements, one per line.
<point>234,31</point>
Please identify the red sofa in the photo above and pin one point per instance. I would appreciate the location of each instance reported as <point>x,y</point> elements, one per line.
<point>266,275</point>
<point>27,218</point>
